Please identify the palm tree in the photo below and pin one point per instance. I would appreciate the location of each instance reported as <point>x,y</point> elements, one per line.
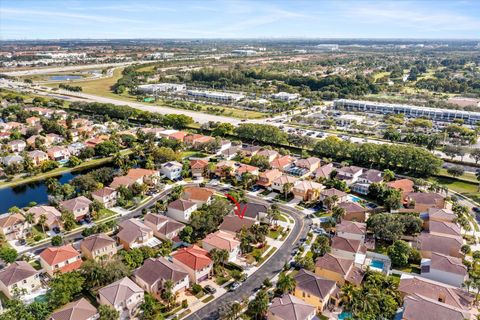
<point>329,202</point>
<point>285,283</point>
<point>234,311</point>
<point>338,213</point>
<point>287,188</point>
<point>220,257</point>
<point>274,214</point>
<point>30,219</point>
<point>41,221</point>
<point>167,293</point>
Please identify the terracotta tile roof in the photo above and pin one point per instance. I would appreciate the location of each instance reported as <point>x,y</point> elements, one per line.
<point>11,219</point>
<point>268,153</point>
<point>234,224</point>
<point>281,162</point>
<point>121,181</point>
<point>438,243</point>
<point>244,168</point>
<point>71,266</point>
<point>104,192</point>
<point>120,291</point>
<point>193,257</point>
<point>198,164</point>
<point>96,242</point>
<point>452,296</point>
<point>221,240</point>
<point>180,135</point>
<point>348,245</point>
<point>76,203</point>
<point>405,185</point>
<point>306,185</point>
<point>285,179</point>
<point>333,192</point>
<point>197,194</point>
<point>443,227</point>
<point>314,284</point>
<point>55,255</point>
<point>160,269</point>
<point>420,307</point>
<point>351,207</point>
<point>138,173</point>
<point>334,263</point>
<point>132,229</point>
<point>181,205</point>
<point>352,227</point>
<point>426,198</point>
<point>16,272</point>
<point>448,264</point>
<point>288,307</point>
<point>77,310</point>
<point>163,224</point>
<point>271,174</point>
<point>324,171</point>
<point>52,214</point>
<point>441,214</point>
<point>307,163</point>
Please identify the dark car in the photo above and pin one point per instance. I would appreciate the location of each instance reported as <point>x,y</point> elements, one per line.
<point>209,289</point>
<point>476,209</point>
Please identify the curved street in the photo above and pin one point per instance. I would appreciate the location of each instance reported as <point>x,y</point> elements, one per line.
<point>269,269</point>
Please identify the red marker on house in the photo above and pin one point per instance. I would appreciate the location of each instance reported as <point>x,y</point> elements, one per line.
<point>239,212</point>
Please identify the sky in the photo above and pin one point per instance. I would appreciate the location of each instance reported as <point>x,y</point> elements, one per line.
<point>105,19</point>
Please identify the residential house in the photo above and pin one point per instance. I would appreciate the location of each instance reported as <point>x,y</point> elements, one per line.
<point>76,310</point>
<point>444,228</point>
<point>351,230</point>
<point>31,141</point>
<point>198,195</point>
<point>133,233</point>
<point>123,295</point>
<point>198,167</point>
<point>60,259</point>
<point>353,211</point>
<point>349,249</point>
<point>163,227</point>
<point>154,273</point>
<point>420,307</point>
<point>136,175</point>
<point>197,140</point>
<point>288,307</point>
<point>422,201</point>
<point>435,214</point>
<point>365,180</point>
<point>282,163</point>
<point>98,246</point>
<point>254,211</point>
<point>16,145</point>
<point>328,193</point>
<point>79,206</point>
<point>265,179</point>
<point>246,168</point>
<point>222,240</point>
<point>58,153</point>
<point>234,224</point>
<point>338,269</point>
<point>307,190</point>
<point>405,186</point>
<point>349,174</point>
<point>106,196</point>
<point>172,170</point>
<point>9,160</point>
<point>19,277</point>
<point>269,154</point>
<point>250,151</point>
<point>324,171</point>
<point>225,168</point>
<point>230,153</point>
<point>279,182</point>
<point>13,226</point>
<point>32,121</point>
<point>445,269</point>
<point>224,145</point>
<point>179,136</point>
<point>195,260</point>
<point>428,243</point>
<point>181,210</point>
<point>438,291</point>
<point>53,138</point>
<point>310,164</point>
<point>315,290</point>
<point>38,156</point>
<point>53,216</point>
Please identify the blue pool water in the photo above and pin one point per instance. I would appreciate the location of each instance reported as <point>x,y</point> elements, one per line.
<point>63,78</point>
<point>354,198</point>
<point>345,315</point>
<point>377,264</point>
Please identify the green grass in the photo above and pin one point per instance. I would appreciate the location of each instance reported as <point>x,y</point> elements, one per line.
<point>196,154</point>
<point>411,268</point>
<point>208,299</point>
<point>265,257</point>
<point>36,264</point>
<point>283,218</point>
<point>221,280</point>
<point>465,188</point>
<point>275,233</point>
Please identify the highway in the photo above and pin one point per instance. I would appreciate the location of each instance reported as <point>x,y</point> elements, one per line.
<point>269,269</point>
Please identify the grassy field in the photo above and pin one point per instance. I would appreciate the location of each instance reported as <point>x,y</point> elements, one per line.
<point>465,188</point>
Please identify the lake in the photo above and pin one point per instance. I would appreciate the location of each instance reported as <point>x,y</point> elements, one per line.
<point>64,78</point>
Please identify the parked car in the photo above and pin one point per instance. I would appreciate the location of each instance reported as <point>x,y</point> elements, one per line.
<point>235,286</point>
<point>209,289</point>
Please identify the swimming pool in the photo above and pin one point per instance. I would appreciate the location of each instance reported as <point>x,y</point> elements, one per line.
<point>377,264</point>
<point>345,315</point>
<point>354,198</point>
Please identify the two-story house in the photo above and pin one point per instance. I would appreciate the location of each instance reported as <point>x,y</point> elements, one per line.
<point>79,206</point>
<point>60,259</point>
<point>181,210</point>
<point>196,261</point>
<point>19,277</point>
<point>106,196</point>
<point>98,246</point>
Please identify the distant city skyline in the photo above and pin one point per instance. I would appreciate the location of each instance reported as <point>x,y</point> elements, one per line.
<point>105,19</point>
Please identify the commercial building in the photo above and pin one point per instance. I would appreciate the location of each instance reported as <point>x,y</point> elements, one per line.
<point>162,87</point>
<point>216,95</point>
<point>437,114</point>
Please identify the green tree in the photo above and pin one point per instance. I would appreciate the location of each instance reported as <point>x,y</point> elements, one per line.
<point>399,253</point>
<point>106,312</point>
<point>8,254</point>
<point>57,241</point>
<point>63,288</point>
<point>320,246</point>
<point>258,307</point>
